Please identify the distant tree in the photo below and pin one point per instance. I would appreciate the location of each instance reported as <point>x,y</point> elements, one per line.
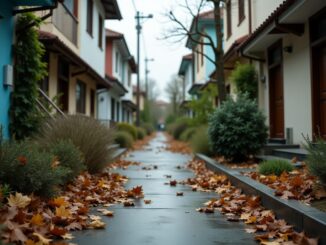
<point>174,91</point>
<point>180,30</point>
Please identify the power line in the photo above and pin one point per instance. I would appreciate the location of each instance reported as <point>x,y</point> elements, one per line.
<point>133,3</point>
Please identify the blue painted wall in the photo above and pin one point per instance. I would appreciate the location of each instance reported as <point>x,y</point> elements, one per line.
<point>6,40</point>
<point>210,67</point>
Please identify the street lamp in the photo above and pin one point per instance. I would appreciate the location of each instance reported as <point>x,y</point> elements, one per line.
<point>138,18</point>
<point>146,73</point>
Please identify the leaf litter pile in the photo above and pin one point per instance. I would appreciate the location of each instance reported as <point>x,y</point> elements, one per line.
<point>31,220</point>
<point>297,185</point>
<point>237,206</point>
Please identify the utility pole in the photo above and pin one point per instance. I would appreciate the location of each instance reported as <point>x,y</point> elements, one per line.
<point>138,17</point>
<point>146,74</point>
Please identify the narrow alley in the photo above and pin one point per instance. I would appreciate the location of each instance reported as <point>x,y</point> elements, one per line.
<point>169,219</point>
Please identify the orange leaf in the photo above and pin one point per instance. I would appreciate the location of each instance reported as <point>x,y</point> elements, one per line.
<point>37,219</point>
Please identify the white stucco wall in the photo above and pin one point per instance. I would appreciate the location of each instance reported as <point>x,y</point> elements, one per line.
<point>261,9</point>
<point>188,80</point>
<point>89,49</point>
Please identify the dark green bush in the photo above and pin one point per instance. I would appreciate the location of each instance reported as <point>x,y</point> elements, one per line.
<point>200,141</point>
<point>246,79</point>
<point>148,127</point>
<point>276,167</point>
<point>124,139</point>
<point>316,158</point>
<point>69,156</point>
<point>91,137</point>
<point>141,133</point>
<point>237,129</point>
<point>187,134</point>
<point>28,169</point>
<point>132,130</point>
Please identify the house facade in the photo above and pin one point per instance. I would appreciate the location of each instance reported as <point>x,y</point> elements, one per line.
<point>289,44</point>
<point>115,103</point>
<point>74,38</point>
<point>8,10</point>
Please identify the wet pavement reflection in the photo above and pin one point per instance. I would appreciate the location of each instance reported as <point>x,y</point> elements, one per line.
<point>169,219</point>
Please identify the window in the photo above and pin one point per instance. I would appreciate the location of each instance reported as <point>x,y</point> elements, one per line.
<point>71,6</point>
<point>81,97</point>
<point>118,111</point>
<point>44,83</point>
<point>112,109</point>
<point>63,84</point>
<point>90,17</point>
<point>228,19</point>
<point>100,31</point>
<point>116,62</point>
<point>241,10</point>
<point>93,98</point>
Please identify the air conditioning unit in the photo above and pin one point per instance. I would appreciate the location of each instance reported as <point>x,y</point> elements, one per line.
<point>8,75</point>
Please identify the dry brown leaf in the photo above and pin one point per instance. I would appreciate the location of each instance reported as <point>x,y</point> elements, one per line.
<point>18,200</point>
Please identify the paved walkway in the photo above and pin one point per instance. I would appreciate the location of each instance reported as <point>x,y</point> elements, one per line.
<point>170,219</point>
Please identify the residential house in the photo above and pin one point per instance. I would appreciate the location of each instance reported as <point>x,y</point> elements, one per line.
<point>186,73</point>
<point>74,38</point>
<point>115,103</point>
<point>290,44</point>
<point>8,10</point>
<point>142,97</point>
<point>202,66</point>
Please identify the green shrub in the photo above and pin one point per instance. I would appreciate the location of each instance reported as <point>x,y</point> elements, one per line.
<point>141,133</point>
<point>200,141</point>
<point>124,139</point>
<point>27,169</point>
<point>132,130</point>
<point>187,134</point>
<point>91,137</point>
<point>237,129</point>
<point>316,158</point>
<point>276,167</point>
<point>69,156</point>
<point>148,127</point>
<point>246,79</point>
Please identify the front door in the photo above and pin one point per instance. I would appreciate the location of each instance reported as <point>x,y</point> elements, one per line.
<point>318,48</point>
<point>276,98</point>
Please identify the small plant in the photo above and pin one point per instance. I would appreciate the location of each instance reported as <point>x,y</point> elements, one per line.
<point>200,141</point>
<point>187,134</point>
<point>91,137</point>
<point>276,167</point>
<point>246,79</point>
<point>179,127</point>
<point>141,133</point>
<point>237,129</point>
<point>28,169</point>
<point>132,130</point>
<point>4,192</point>
<point>68,156</point>
<point>124,139</point>
<point>316,158</point>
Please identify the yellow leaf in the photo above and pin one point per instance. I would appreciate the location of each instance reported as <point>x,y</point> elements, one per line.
<point>62,212</point>
<point>245,216</point>
<point>67,236</point>
<point>251,220</point>
<point>37,220</point>
<point>97,224</point>
<point>95,217</point>
<point>60,201</point>
<point>106,212</point>
<point>42,239</point>
<point>19,200</point>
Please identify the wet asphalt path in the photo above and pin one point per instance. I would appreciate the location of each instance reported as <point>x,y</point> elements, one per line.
<point>169,219</point>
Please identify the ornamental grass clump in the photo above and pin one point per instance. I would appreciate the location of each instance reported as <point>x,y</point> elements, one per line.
<point>124,139</point>
<point>187,134</point>
<point>27,168</point>
<point>316,158</point>
<point>179,127</point>
<point>92,138</point>
<point>148,127</point>
<point>237,129</point>
<point>275,167</point>
<point>132,130</point>
<point>141,133</point>
<point>200,141</point>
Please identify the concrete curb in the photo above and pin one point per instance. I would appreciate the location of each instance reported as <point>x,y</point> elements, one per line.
<point>303,217</point>
<point>119,152</point>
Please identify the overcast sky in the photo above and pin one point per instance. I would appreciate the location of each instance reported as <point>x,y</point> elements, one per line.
<point>167,57</point>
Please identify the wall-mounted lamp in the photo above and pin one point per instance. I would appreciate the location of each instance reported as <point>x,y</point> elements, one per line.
<point>288,49</point>
<point>262,78</point>
<point>8,75</point>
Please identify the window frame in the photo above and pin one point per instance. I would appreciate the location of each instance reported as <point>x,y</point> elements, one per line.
<point>81,102</point>
<point>228,19</point>
<point>241,11</point>
<point>90,17</point>
<point>100,31</point>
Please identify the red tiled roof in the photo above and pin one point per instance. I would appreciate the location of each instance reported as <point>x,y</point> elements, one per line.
<point>269,20</point>
<point>234,47</point>
<point>113,34</point>
<point>187,57</point>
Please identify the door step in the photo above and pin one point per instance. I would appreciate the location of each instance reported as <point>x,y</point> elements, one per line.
<point>290,153</point>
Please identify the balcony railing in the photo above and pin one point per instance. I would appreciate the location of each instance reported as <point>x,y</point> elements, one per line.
<point>66,23</point>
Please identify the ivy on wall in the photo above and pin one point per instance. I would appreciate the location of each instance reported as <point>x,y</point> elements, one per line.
<point>29,70</point>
